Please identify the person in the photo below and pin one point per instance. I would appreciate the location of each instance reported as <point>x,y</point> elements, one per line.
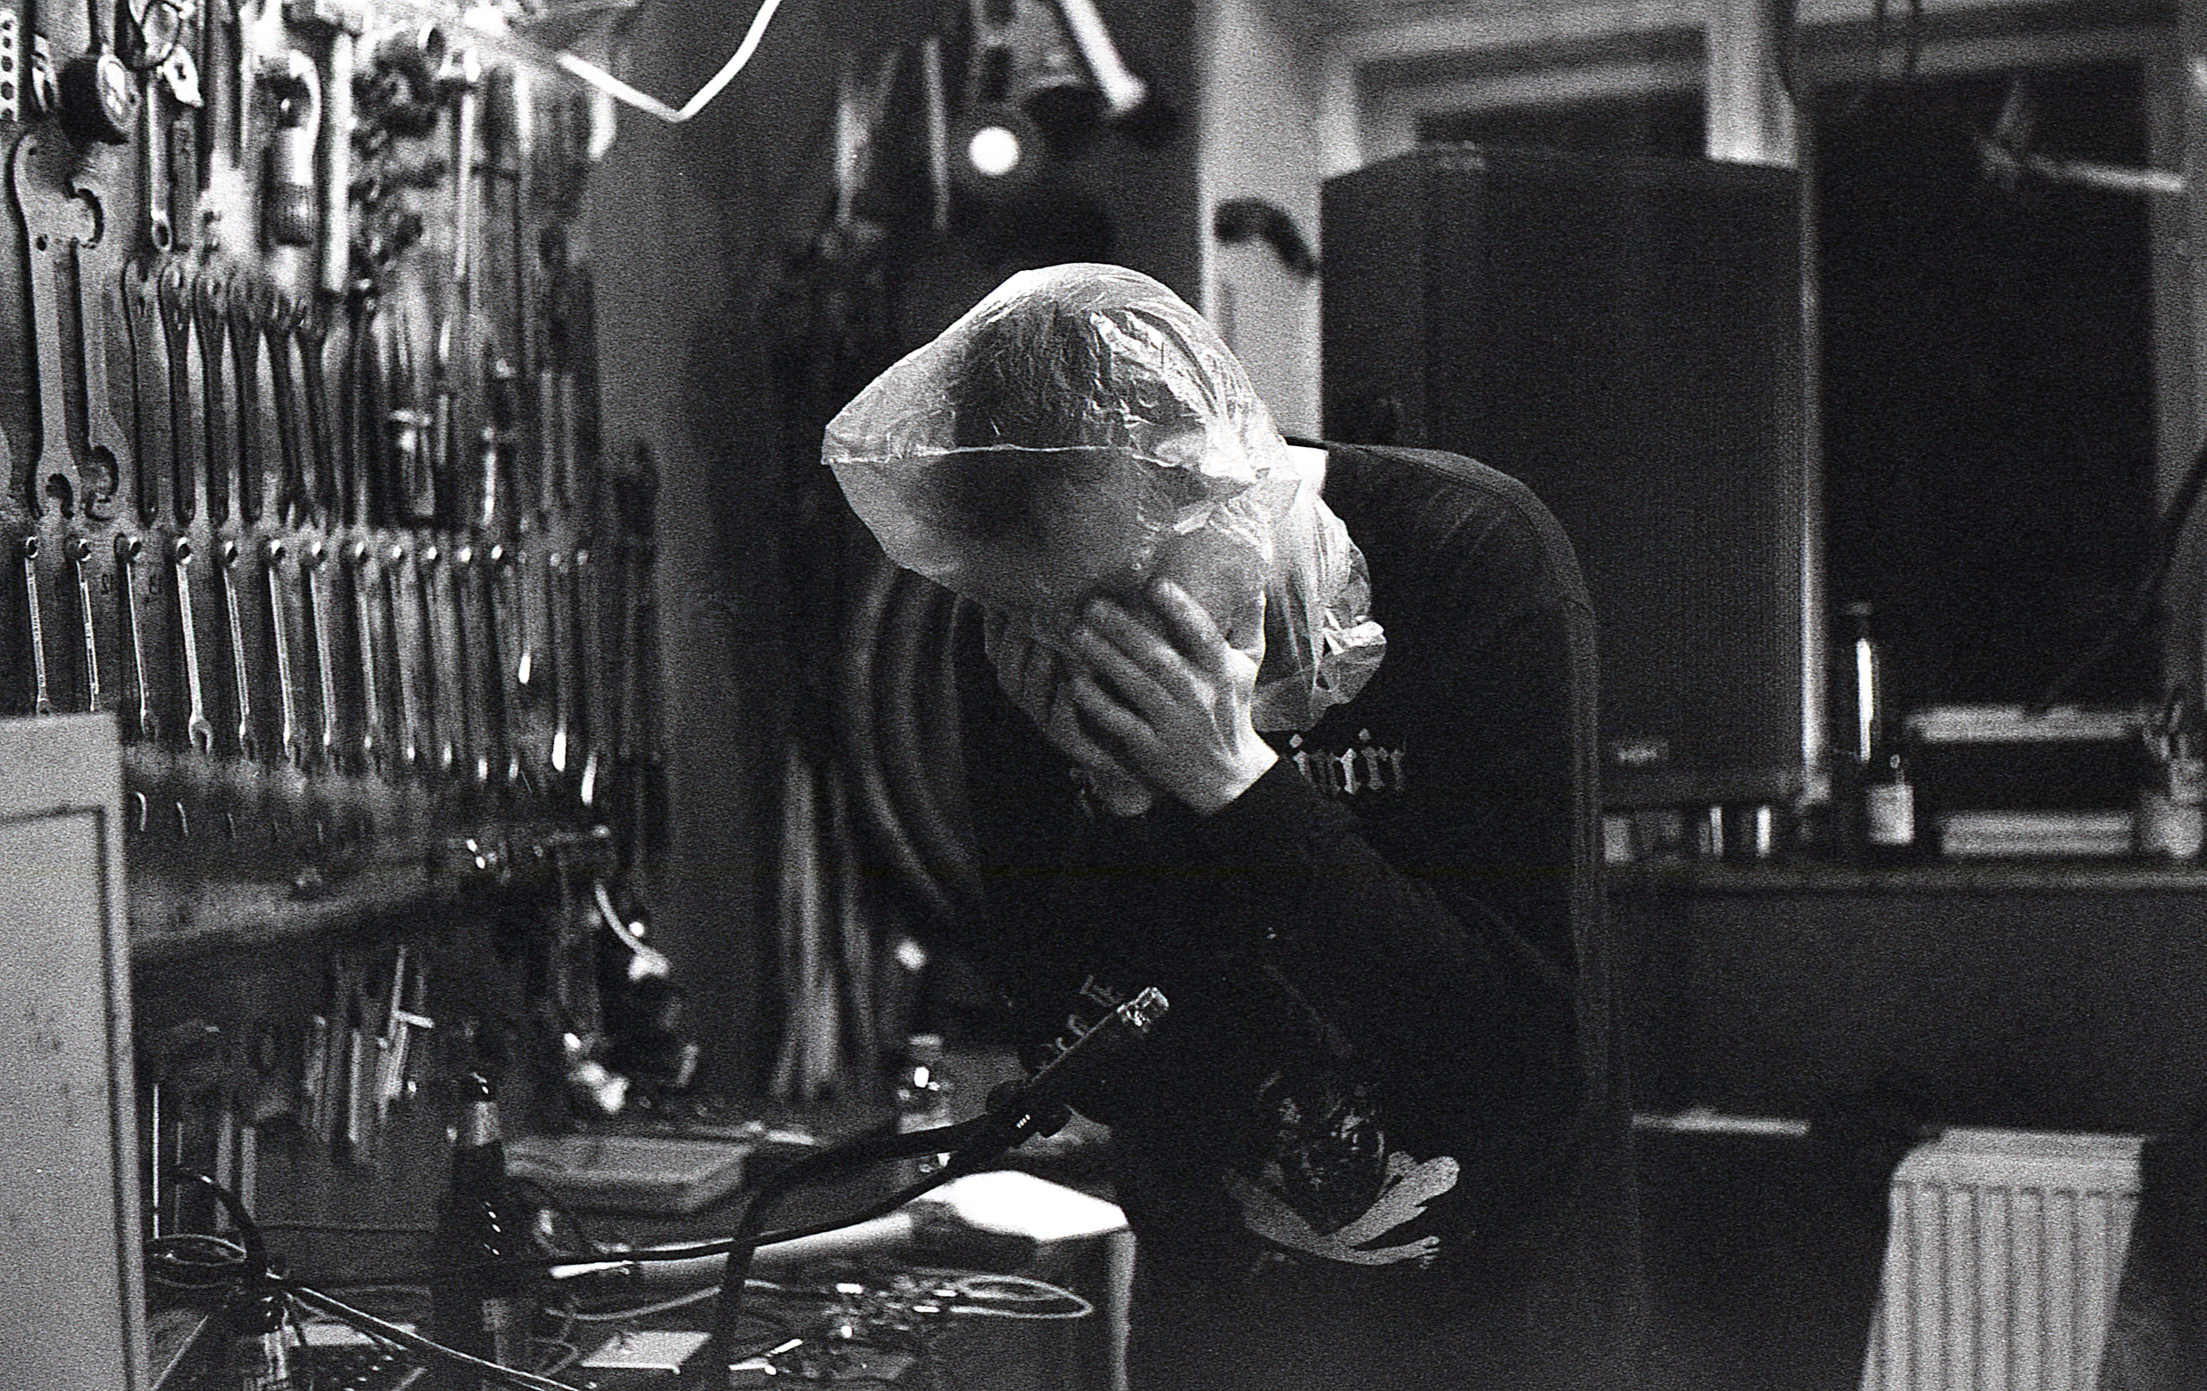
<point>1378,1139</point>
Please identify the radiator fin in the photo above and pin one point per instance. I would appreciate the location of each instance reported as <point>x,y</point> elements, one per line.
<point>2002,1261</point>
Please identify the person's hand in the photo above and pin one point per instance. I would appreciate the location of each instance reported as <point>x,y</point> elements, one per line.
<point>1031,676</point>
<point>1171,693</point>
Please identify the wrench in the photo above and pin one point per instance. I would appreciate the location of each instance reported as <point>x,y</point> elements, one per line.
<point>211,318</point>
<point>484,763</point>
<point>325,447</point>
<point>508,622</point>
<point>141,315</point>
<point>325,656</point>
<point>278,315</point>
<point>52,221</point>
<point>590,653</point>
<point>153,178</point>
<point>447,665</point>
<point>106,442</point>
<point>358,559</point>
<point>289,733</point>
<point>80,558</point>
<point>198,729</point>
<point>248,741</point>
<point>559,600</point>
<point>42,696</point>
<point>127,551</point>
<point>402,596</point>
<point>174,297</point>
<point>243,323</point>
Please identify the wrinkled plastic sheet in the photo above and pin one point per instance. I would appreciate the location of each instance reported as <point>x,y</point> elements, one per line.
<point>1083,430</point>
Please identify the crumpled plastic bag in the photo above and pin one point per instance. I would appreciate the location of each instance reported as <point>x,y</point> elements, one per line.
<point>1082,428</point>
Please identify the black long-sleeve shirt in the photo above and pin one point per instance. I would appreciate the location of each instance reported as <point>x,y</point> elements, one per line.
<point>1370,1125</point>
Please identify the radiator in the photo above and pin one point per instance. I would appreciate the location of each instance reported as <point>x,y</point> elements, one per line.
<point>2002,1262</point>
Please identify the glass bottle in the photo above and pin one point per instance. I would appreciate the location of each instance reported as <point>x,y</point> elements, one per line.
<point>1883,793</point>
<point>480,1302</point>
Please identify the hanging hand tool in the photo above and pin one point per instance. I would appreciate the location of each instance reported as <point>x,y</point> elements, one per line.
<point>149,382</point>
<point>326,447</point>
<point>403,597</point>
<point>454,746</point>
<point>291,734</point>
<point>506,641</point>
<point>80,566</point>
<point>288,194</point>
<point>199,731</point>
<point>565,685</point>
<point>44,86</point>
<point>478,659</point>
<point>341,24</point>
<point>98,98</point>
<point>316,567</point>
<point>106,443</point>
<point>410,432</point>
<point>53,220</point>
<point>42,695</point>
<point>225,446</point>
<point>453,352</point>
<point>128,549</point>
<point>185,441</point>
<point>180,79</point>
<point>157,234</point>
<point>273,316</point>
<point>366,584</point>
<point>246,743</point>
<point>597,719</point>
<point>241,319</point>
<point>494,446</point>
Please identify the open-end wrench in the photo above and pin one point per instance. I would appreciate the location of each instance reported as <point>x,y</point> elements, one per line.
<point>597,717</point>
<point>484,763</point>
<point>453,746</point>
<point>325,445</point>
<point>211,294</point>
<point>128,549</point>
<point>54,219</point>
<point>402,596</point>
<point>107,444</point>
<point>42,695</point>
<point>142,317</point>
<point>276,314</point>
<point>360,562</point>
<point>247,737</point>
<point>80,558</point>
<point>559,602</point>
<point>175,299</point>
<point>199,731</point>
<point>316,565</point>
<point>241,315</point>
<point>290,735</point>
<point>506,636</point>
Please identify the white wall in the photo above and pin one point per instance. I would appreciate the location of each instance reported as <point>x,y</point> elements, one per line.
<point>1257,140</point>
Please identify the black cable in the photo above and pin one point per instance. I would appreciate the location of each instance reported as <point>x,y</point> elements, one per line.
<point>2146,594</point>
<point>971,1143</point>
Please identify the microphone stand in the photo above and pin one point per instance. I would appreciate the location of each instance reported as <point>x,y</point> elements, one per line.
<point>1016,1112</point>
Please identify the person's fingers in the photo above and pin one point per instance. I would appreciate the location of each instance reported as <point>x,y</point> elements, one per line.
<point>1084,706</point>
<point>1188,623</point>
<point>1134,659</point>
<point>1110,721</point>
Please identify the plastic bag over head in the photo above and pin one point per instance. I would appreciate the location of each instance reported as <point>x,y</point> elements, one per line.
<point>1081,430</point>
